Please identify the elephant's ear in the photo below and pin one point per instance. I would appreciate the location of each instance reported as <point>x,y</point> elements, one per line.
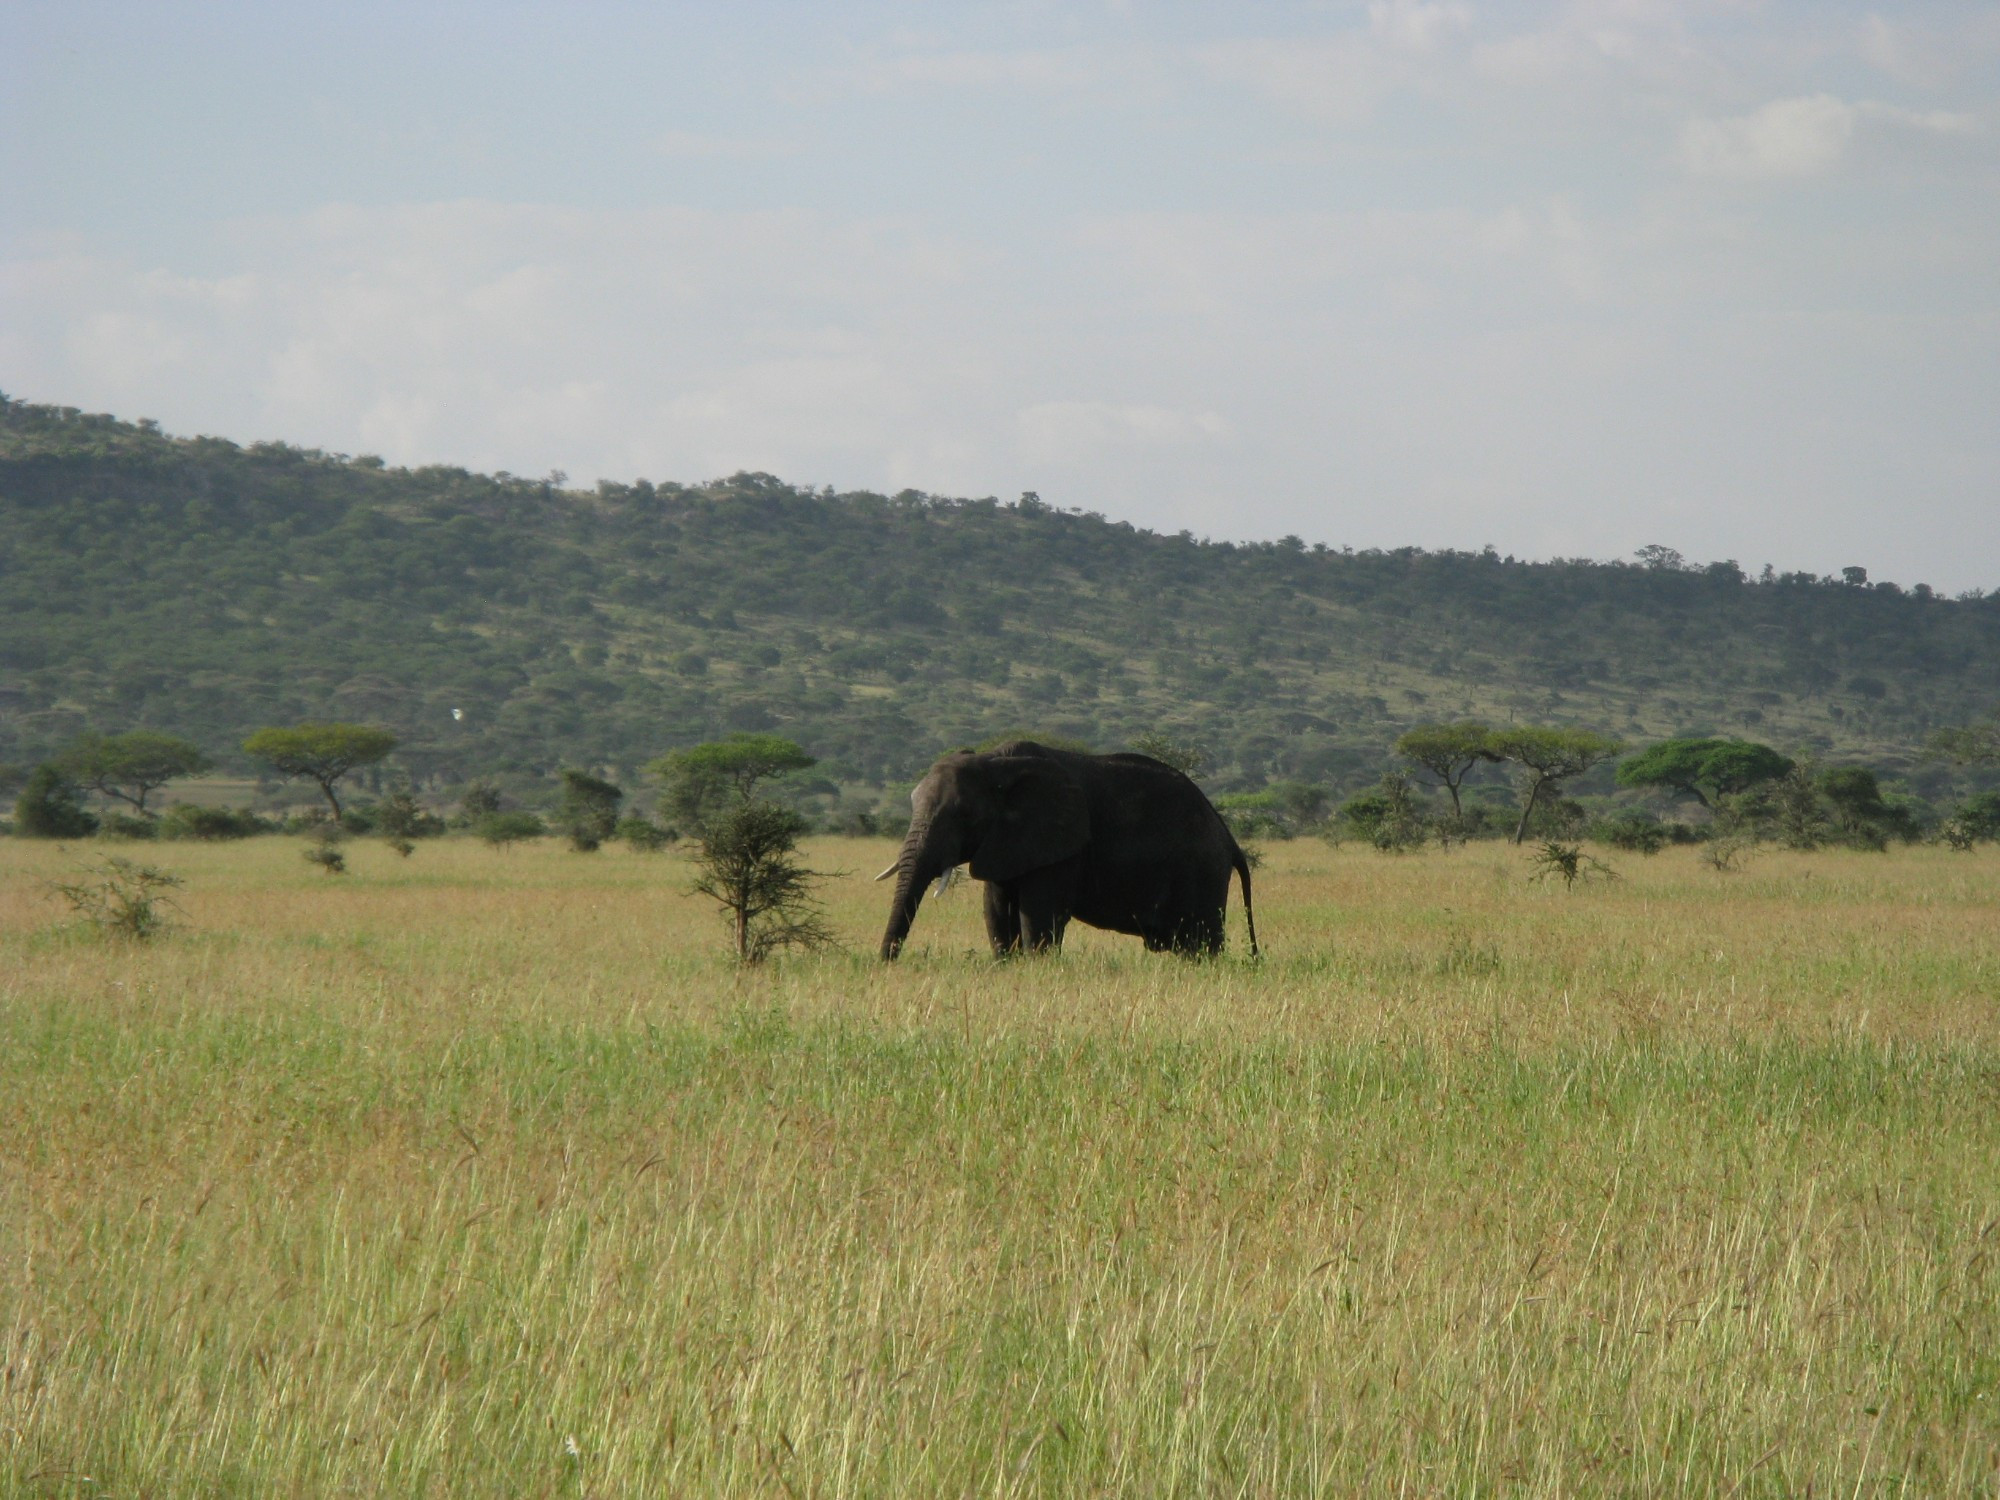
<point>1043,819</point>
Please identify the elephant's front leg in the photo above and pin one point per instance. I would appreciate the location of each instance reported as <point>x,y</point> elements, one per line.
<point>1003,919</point>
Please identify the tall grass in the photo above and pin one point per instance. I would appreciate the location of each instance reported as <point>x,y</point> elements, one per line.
<point>488,1173</point>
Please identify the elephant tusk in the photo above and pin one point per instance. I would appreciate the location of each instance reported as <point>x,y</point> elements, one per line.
<point>890,871</point>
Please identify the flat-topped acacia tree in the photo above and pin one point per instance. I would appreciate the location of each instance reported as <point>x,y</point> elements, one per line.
<point>1549,757</point>
<point>1704,768</point>
<point>130,766</point>
<point>320,752</point>
<point>1449,752</point>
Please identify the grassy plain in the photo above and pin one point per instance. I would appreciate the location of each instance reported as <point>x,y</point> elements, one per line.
<point>485,1173</point>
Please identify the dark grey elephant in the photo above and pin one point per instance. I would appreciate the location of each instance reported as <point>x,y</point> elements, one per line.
<point>1121,842</point>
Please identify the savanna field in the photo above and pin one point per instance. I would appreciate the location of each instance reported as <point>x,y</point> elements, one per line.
<point>487,1172</point>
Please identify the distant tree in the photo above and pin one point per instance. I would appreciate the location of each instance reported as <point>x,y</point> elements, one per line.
<point>1704,769</point>
<point>50,806</point>
<point>748,865</point>
<point>478,800</point>
<point>644,835</point>
<point>588,812</point>
<point>1183,755</point>
<point>401,818</point>
<point>1389,817</point>
<point>130,766</point>
<point>1859,811</point>
<point>1449,752</point>
<point>505,829</point>
<point>700,783</point>
<point>1796,808</point>
<point>1549,757</point>
<point>319,752</point>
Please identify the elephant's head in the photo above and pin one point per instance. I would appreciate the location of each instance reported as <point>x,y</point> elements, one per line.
<point>1004,813</point>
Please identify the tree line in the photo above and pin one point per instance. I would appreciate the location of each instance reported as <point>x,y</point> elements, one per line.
<point>1442,786</point>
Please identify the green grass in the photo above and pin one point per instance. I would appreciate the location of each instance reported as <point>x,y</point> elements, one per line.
<point>484,1173</point>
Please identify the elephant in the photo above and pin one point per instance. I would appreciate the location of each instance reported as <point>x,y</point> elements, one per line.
<point>1122,842</point>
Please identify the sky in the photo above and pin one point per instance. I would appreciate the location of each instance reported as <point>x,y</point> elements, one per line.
<point>1562,278</point>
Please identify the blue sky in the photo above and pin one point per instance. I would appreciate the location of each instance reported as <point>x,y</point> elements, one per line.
<point>1563,278</point>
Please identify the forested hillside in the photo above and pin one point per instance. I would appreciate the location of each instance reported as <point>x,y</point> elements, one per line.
<point>498,623</point>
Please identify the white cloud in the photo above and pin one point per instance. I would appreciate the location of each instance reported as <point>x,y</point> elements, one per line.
<point>1332,81</point>
<point>1418,25</point>
<point>1785,138</point>
<point>1803,137</point>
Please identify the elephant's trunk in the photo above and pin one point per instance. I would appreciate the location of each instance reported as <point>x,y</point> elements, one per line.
<point>925,857</point>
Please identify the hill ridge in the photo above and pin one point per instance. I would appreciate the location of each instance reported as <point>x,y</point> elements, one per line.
<point>204,587</point>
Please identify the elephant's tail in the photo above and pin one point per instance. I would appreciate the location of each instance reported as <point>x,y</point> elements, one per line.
<point>1242,863</point>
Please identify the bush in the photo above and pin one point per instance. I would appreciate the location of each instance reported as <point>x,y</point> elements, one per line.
<point>1635,832</point>
<point>644,835</point>
<point>588,812</point>
<point>504,829</point>
<point>747,866</point>
<point>118,825</point>
<point>184,820</point>
<point>1979,815</point>
<point>401,818</point>
<point>49,807</point>
<point>120,897</point>
<point>1568,863</point>
<point>481,799</point>
<point>1390,817</point>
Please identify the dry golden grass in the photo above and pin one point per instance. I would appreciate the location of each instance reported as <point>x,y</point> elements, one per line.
<point>485,1172</point>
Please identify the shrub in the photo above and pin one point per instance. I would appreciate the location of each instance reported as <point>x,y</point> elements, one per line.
<point>1980,815</point>
<point>480,799</point>
<point>505,829</point>
<point>184,820</point>
<point>120,897</point>
<point>118,825</point>
<point>1389,817</point>
<point>1635,832</point>
<point>588,812</point>
<point>747,865</point>
<point>1568,863</point>
<point>401,818</point>
<point>644,835</point>
<point>49,807</point>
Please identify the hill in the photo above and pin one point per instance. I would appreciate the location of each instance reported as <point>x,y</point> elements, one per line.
<point>499,623</point>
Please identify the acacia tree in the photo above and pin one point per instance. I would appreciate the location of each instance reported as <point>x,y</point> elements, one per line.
<point>588,812</point>
<point>1549,757</point>
<point>748,865</point>
<point>1706,769</point>
<point>130,766</point>
<point>703,781</point>
<point>747,861</point>
<point>49,806</point>
<point>320,752</point>
<point>1449,752</point>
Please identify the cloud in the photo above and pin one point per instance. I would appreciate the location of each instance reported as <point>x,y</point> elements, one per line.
<point>1416,25</point>
<point>524,337</point>
<point>1803,137</point>
<point>1337,80</point>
